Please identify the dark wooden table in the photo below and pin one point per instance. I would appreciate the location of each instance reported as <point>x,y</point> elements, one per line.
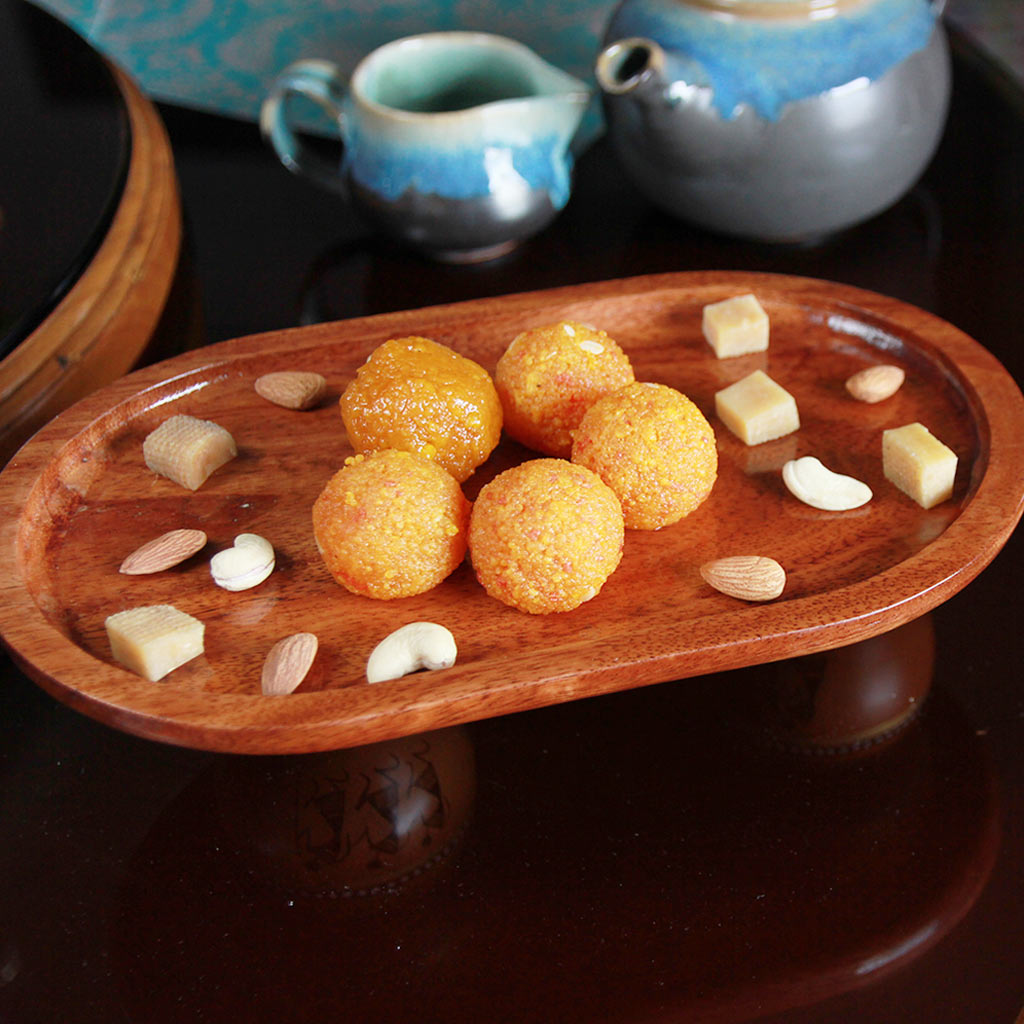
<point>728,849</point>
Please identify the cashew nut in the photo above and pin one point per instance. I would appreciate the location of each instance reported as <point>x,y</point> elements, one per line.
<point>817,486</point>
<point>245,565</point>
<point>415,646</point>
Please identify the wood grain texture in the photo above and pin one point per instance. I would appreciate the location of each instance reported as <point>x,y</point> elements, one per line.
<point>98,331</point>
<point>78,498</point>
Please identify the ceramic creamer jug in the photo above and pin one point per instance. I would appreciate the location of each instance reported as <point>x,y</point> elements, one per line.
<point>778,120</point>
<point>457,143</point>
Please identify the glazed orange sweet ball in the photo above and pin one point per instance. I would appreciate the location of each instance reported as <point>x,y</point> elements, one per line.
<point>654,448</point>
<point>391,524</point>
<point>549,376</point>
<point>416,395</point>
<point>545,535</point>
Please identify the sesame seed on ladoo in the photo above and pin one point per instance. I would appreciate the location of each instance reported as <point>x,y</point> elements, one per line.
<point>549,376</point>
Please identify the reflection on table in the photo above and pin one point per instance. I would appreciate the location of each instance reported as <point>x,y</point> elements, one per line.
<point>744,857</point>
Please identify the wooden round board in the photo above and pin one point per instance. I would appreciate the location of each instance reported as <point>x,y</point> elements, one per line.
<point>103,324</point>
<point>78,498</point>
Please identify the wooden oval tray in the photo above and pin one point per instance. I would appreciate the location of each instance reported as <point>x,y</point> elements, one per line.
<point>78,498</point>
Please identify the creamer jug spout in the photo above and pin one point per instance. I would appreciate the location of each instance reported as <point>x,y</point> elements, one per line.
<point>552,93</point>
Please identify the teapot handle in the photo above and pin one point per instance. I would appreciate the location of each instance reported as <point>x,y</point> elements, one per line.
<point>321,82</point>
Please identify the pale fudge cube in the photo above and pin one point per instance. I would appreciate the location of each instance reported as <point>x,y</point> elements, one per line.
<point>736,326</point>
<point>919,464</point>
<point>153,640</point>
<point>756,409</point>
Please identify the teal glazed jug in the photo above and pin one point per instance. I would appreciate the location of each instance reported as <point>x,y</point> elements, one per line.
<point>775,120</point>
<point>456,143</point>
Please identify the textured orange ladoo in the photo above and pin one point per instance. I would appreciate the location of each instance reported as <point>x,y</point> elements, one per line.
<point>549,376</point>
<point>654,448</point>
<point>391,524</point>
<point>545,535</point>
<point>418,396</point>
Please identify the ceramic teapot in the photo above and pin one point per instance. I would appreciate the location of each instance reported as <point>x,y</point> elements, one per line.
<point>457,143</point>
<point>778,120</point>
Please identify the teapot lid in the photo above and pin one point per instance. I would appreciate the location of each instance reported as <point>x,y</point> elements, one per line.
<point>778,8</point>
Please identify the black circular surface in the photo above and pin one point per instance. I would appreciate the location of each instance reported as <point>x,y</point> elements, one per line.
<point>66,142</point>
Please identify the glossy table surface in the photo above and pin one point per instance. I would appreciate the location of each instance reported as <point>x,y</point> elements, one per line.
<point>836,838</point>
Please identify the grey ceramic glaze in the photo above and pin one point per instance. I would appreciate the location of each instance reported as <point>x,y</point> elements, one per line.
<point>456,143</point>
<point>788,157</point>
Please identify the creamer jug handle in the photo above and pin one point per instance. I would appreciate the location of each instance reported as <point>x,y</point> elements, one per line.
<point>321,82</point>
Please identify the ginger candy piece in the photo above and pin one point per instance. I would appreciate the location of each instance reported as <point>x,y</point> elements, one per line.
<point>153,640</point>
<point>187,450</point>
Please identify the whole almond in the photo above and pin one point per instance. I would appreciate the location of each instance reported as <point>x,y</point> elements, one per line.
<point>288,663</point>
<point>876,383</point>
<point>292,389</point>
<point>748,577</point>
<point>163,552</point>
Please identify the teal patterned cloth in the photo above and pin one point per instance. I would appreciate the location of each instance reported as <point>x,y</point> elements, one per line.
<point>221,55</point>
